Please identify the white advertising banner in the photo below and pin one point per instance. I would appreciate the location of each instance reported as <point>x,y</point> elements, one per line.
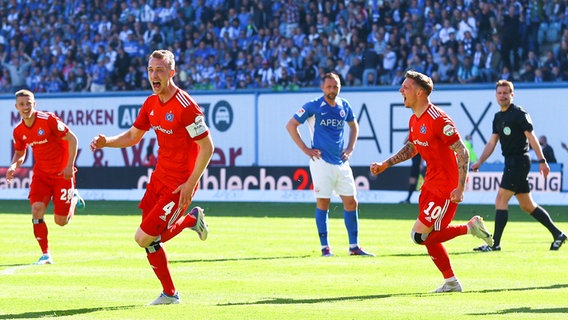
<point>383,121</point>
<point>248,128</point>
<point>87,116</point>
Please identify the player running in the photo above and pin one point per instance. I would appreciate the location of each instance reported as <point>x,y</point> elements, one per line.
<point>185,149</point>
<point>54,148</point>
<point>434,136</point>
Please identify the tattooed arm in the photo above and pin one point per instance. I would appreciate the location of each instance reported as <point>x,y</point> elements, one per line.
<point>462,155</point>
<point>408,151</point>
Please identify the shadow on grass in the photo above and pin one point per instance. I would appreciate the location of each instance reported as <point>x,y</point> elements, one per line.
<point>421,294</point>
<point>238,259</point>
<point>62,313</point>
<point>524,310</point>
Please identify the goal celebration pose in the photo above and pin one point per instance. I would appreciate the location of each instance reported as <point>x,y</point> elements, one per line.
<point>434,136</point>
<point>185,149</point>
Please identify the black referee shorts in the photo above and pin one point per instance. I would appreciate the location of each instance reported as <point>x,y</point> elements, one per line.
<point>515,174</point>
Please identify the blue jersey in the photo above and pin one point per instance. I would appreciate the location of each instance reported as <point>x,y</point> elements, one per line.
<point>326,125</point>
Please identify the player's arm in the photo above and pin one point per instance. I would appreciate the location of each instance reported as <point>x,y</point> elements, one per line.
<point>17,160</point>
<point>293,130</point>
<point>487,151</point>
<point>406,152</point>
<point>533,141</point>
<point>187,189</point>
<point>126,139</point>
<point>353,134</point>
<point>462,155</point>
<point>72,143</point>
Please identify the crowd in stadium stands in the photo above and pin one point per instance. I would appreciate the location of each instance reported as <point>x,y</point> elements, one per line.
<point>103,45</point>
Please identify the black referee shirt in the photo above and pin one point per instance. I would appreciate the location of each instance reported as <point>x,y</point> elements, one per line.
<point>511,125</point>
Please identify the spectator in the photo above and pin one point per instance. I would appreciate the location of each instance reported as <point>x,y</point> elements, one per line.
<point>337,32</point>
<point>492,64</point>
<point>547,150</point>
<point>370,62</point>
<point>99,74</point>
<point>468,73</point>
<point>17,69</point>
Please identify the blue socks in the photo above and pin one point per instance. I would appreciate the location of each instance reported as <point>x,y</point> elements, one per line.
<point>351,219</point>
<point>321,223</point>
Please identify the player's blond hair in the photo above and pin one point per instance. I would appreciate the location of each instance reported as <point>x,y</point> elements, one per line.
<point>165,55</point>
<point>505,83</point>
<point>24,93</point>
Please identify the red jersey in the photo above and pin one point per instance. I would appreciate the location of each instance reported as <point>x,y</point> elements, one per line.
<point>432,134</point>
<point>44,136</point>
<point>177,123</point>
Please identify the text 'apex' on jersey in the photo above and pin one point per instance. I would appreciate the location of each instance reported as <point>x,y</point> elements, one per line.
<point>327,125</point>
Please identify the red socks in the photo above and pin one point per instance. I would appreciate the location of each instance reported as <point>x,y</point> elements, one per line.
<point>438,252</point>
<point>159,262</point>
<point>40,232</point>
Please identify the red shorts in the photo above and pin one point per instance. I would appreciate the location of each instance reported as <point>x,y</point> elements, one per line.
<point>159,208</point>
<point>435,211</point>
<point>52,187</point>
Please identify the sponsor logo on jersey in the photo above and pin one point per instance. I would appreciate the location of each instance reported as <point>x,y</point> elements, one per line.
<point>33,143</point>
<point>166,131</point>
<point>336,123</point>
<point>420,143</point>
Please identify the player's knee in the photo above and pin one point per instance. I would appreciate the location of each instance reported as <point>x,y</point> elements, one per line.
<point>38,210</point>
<point>418,238</point>
<point>61,220</point>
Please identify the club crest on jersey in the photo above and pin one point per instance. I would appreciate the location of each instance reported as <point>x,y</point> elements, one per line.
<point>169,117</point>
<point>449,130</point>
<point>423,129</point>
<point>40,132</point>
<point>342,113</point>
<point>507,131</point>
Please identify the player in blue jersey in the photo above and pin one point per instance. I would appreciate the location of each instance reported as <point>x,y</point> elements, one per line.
<point>329,160</point>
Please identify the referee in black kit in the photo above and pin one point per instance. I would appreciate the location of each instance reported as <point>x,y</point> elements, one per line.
<point>513,128</point>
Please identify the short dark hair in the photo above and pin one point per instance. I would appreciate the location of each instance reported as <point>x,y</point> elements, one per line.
<point>332,75</point>
<point>422,80</point>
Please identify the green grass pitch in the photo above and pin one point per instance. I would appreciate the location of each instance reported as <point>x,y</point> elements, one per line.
<point>262,261</point>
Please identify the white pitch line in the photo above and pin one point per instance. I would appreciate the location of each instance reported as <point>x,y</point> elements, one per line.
<point>13,270</point>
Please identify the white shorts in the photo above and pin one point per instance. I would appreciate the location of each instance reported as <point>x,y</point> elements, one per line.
<point>328,178</point>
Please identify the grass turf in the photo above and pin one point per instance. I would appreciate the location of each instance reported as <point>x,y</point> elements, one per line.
<point>261,261</point>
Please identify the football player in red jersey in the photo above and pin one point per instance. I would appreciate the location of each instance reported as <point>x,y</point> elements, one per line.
<point>185,148</point>
<point>54,148</point>
<point>434,136</point>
